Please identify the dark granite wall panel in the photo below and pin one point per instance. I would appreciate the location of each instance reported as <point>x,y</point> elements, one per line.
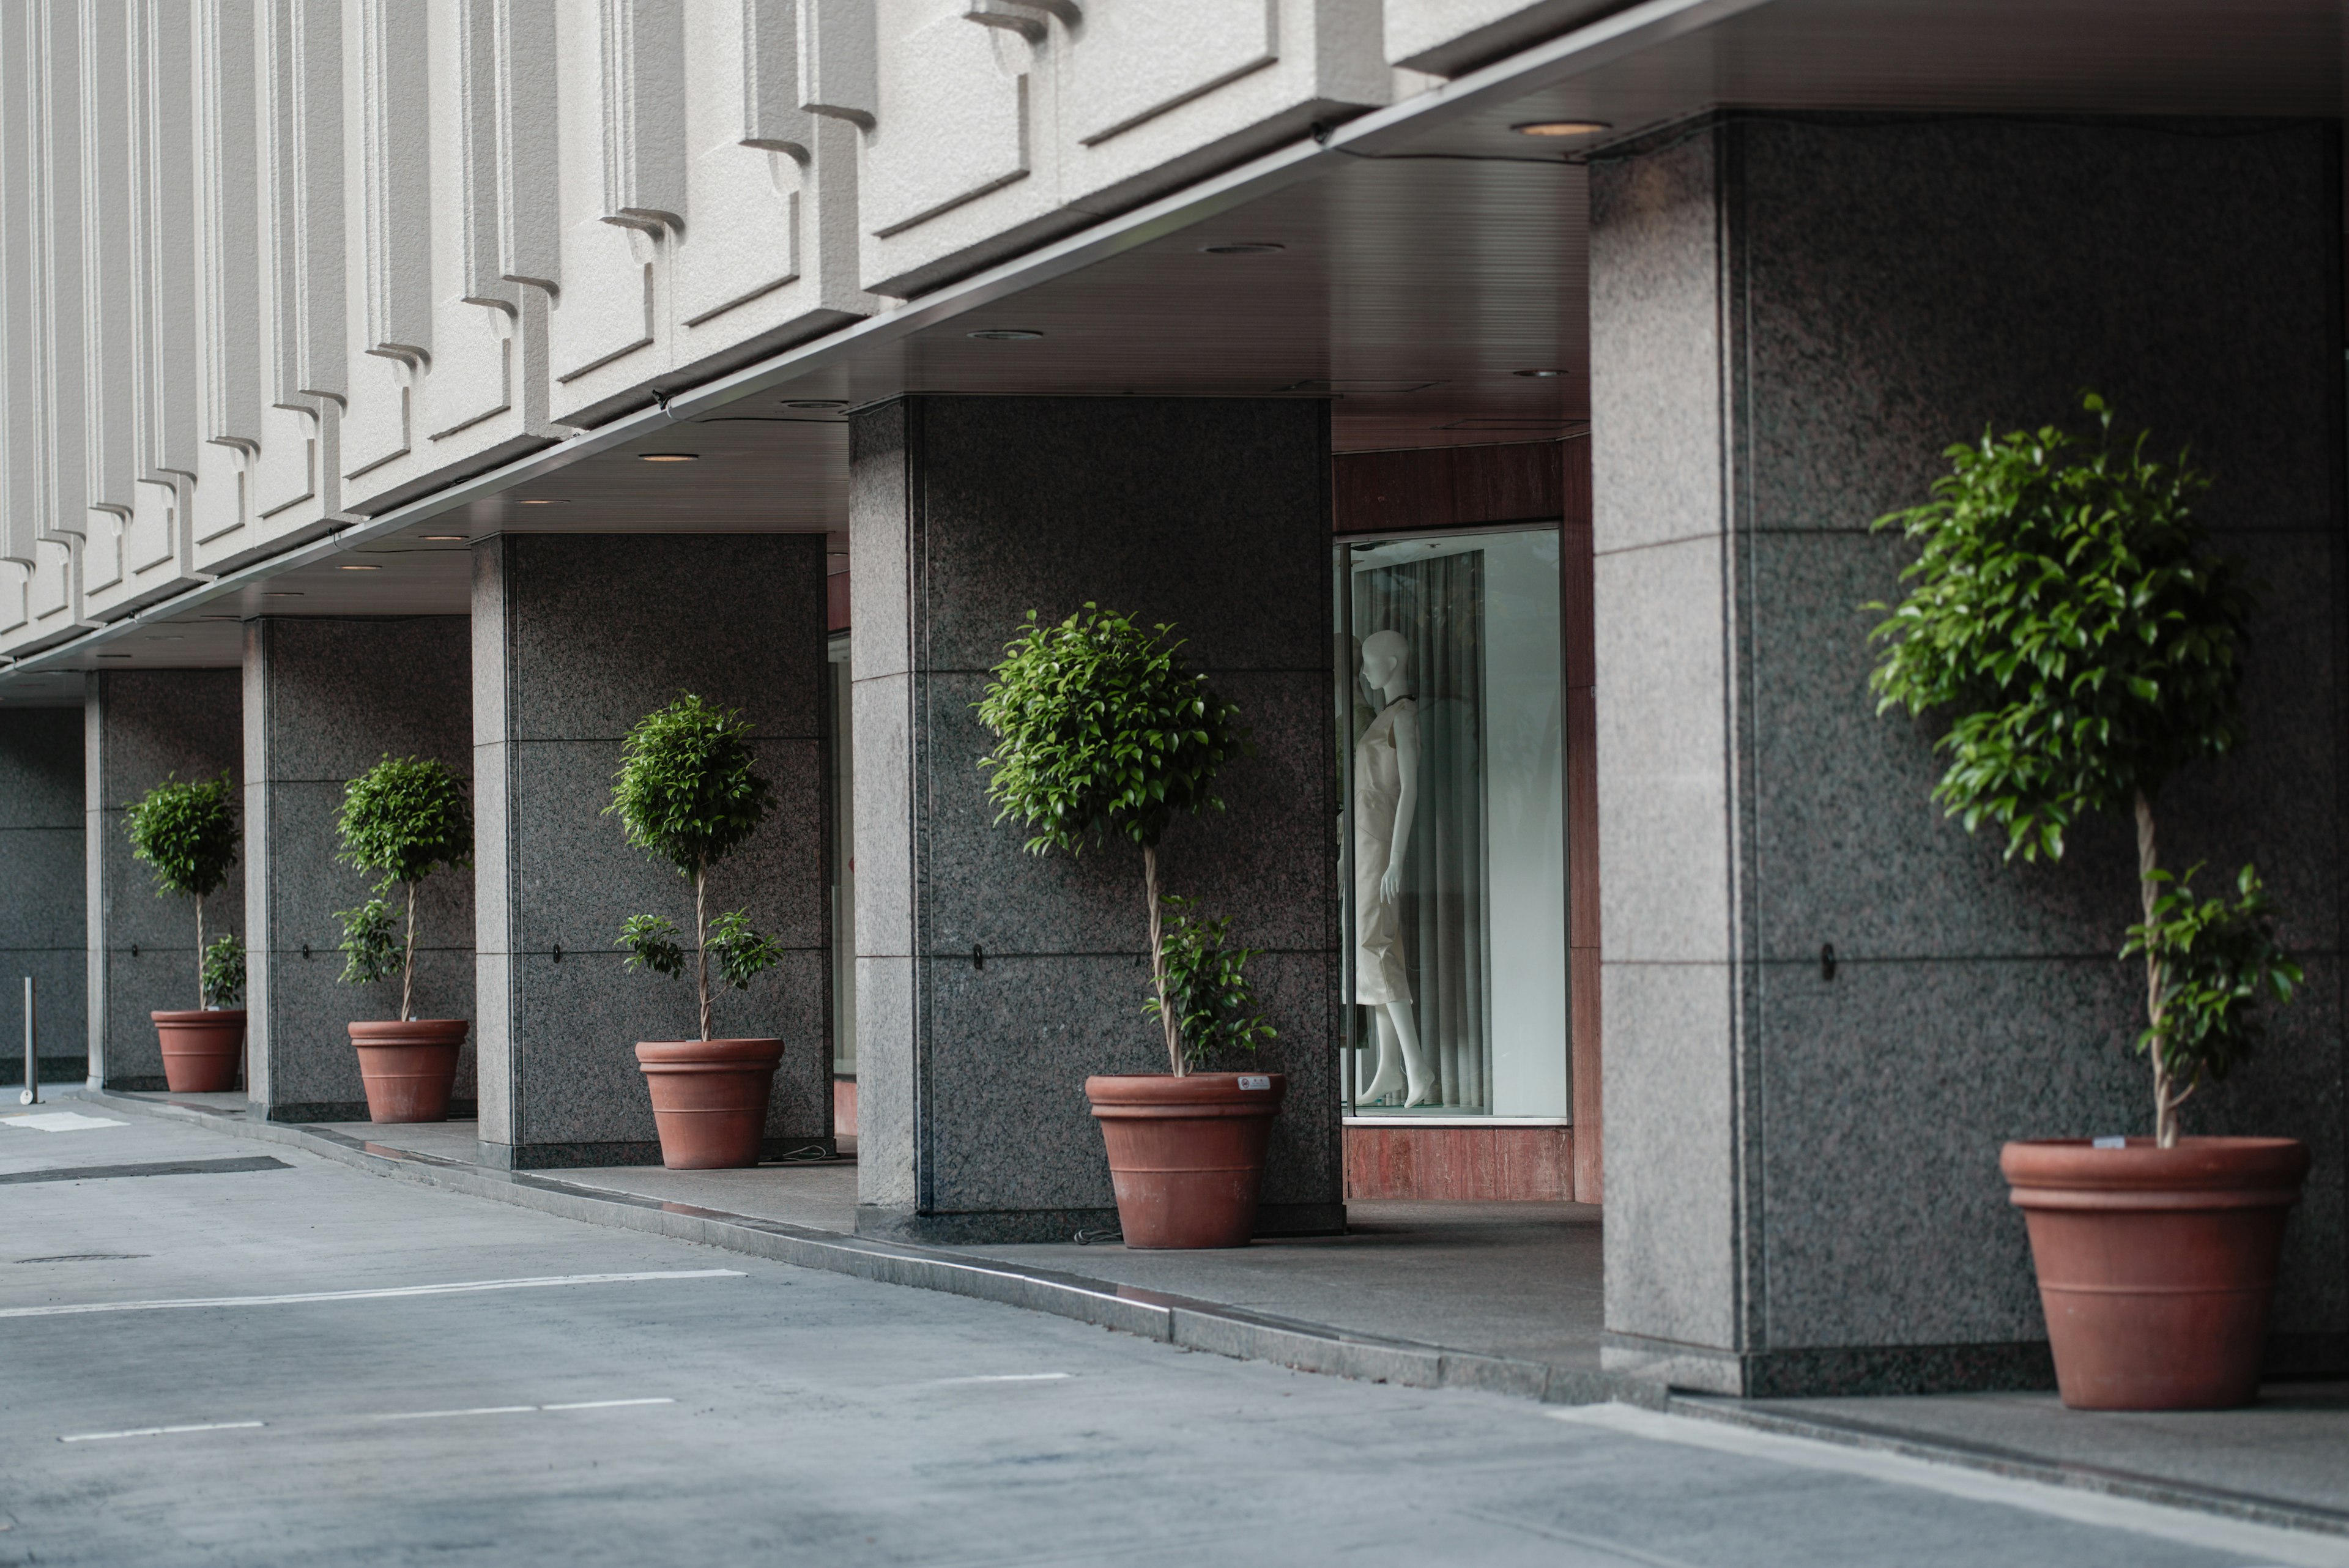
<point>140,727</point>
<point>966,513</point>
<point>1823,306</point>
<point>324,701</point>
<point>43,897</point>
<point>575,638</point>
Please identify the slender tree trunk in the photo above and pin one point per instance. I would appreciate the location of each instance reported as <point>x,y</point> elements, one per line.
<point>702,946</point>
<point>1166,1018</point>
<point>407,962</point>
<point>200,998</point>
<point>2148,892</point>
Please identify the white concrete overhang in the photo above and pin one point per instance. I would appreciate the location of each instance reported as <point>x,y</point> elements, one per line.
<point>1428,254</point>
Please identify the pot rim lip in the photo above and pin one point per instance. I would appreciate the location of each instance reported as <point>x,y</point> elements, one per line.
<point>195,1014</point>
<point>1106,1091</point>
<point>2215,1163</point>
<point>434,1024</point>
<point>1170,1077</point>
<point>739,1048</point>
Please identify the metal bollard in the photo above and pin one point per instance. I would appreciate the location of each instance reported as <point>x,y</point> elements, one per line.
<point>32,1092</point>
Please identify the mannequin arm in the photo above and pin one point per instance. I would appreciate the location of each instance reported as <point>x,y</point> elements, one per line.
<point>1406,736</point>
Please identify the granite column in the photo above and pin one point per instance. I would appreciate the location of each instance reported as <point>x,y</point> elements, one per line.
<point>575,637</point>
<point>43,912</point>
<point>1827,1006</point>
<point>324,700</point>
<point>140,727</point>
<point>989,981</point>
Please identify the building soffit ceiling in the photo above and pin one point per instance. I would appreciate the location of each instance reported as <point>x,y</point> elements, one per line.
<point>1428,254</point>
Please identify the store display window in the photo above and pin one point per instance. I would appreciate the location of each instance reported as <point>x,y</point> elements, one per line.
<point>1452,726</point>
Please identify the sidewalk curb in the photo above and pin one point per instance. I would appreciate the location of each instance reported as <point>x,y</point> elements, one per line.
<point>2014,1465</point>
<point>1183,1320</point>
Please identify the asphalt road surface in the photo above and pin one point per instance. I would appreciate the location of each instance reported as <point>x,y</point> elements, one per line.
<point>486,1385</point>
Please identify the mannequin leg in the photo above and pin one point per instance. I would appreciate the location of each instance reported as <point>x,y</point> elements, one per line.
<point>1406,1031</point>
<point>1385,1064</point>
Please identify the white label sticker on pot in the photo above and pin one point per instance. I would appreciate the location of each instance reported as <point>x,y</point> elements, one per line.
<point>1254,1081</point>
<point>2109,1143</point>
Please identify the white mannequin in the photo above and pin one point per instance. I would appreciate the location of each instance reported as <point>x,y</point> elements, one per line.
<point>1380,982</point>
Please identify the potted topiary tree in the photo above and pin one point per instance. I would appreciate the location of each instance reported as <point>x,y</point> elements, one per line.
<point>689,793</point>
<point>405,820</point>
<point>1103,732</point>
<point>186,830</point>
<point>2069,617</point>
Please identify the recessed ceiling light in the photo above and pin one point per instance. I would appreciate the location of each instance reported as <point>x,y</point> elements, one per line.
<point>114,656</point>
<point>669,457</point>
<point>1562,128</point>
<point>282,594</point>
<point>1539,375</point>
<point>1005,334</point>
<point>355,568</point>
<point>445,538</point>
<point>815,403</point>
<point>220,617</point>
<point>1243,248</point>
<point>543,501</point>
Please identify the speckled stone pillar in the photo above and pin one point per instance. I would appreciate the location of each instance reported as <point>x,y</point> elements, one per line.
<point>139,727</point>
<point>43,931</point>
<point>1790,319</point>
<point>324,702</point>
<point>575,637</point>
<point>990,982</point>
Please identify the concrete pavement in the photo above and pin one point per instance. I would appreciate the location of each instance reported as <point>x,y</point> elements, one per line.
<point>673,1403</point>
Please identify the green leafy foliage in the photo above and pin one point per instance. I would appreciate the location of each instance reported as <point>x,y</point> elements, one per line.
<point>405,819</point>
<point>743,954</point>
<point>688,791</point>
<point>371,945</point>
<point>1103,731</point>
<point>2219,962</point>
<point>652,944</point>
<point>224,972</point>
<point>1207,988</point>
<point>2067,612</point>
<point>186,830</point>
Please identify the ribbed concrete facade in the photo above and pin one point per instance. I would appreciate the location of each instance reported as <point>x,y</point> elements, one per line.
<point>276,264</point>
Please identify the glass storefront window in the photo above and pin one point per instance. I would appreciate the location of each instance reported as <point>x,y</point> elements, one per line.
<point>1452,716</point>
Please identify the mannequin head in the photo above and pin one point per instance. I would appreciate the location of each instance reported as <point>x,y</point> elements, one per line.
<point>1386,658</point>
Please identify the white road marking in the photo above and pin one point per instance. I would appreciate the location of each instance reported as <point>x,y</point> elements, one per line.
<point>457,1288</point>
<point>2260,1544</point>
<point>606,1404</point>
<point>518,1409</point>
<point>162,1431</point>
<point>59,1121</point>
<point>1005,1377</point>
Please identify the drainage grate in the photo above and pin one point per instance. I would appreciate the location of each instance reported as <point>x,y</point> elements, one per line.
<point>162,1167</point>
<point>85,1258</point>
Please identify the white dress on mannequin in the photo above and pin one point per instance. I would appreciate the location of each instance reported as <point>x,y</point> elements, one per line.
<point>1379,973</point>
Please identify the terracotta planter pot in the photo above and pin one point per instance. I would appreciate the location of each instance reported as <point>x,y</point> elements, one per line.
<point>1186,1155</point>
<point>408,1068</point>
<point>2155,1264</point>
<point>201,1049</point>
<point>710,1098</point>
